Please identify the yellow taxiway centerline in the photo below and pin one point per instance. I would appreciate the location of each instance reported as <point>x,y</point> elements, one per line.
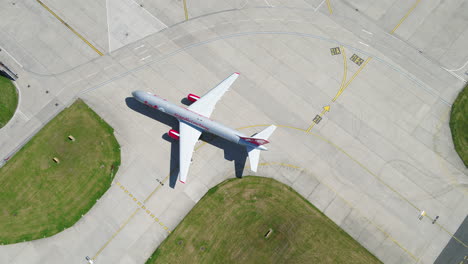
<point>185,10</point>
<point>352,78</point>
<point>345,73</point>
<point>69,27</point>
<point>406,16</point>
<point>329,7</point>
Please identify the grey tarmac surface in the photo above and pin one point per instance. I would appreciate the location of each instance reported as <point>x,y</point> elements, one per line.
<point>455,252</point>
<point>378,157</point>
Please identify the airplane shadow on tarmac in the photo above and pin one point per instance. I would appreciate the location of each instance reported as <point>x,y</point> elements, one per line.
<point>232,151</point>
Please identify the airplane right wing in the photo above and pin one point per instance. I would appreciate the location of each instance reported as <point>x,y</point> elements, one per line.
<point>188,137</point>
<point>206,104</point>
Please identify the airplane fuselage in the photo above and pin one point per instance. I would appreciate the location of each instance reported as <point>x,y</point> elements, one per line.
<point>183,114</point>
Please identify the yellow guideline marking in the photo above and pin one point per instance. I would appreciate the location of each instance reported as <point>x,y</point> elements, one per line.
<point>325,109</point>
<point>344,200</point>
<point>406,16</point>
<point>296,167</point>
<point>352,78</point>
<point>115,234</point>
<point>329,7</point>
<point>185,10</point>
<point>345,72</point>
<point>69,27</point>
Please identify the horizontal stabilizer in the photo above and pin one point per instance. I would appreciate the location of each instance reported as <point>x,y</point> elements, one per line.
<point>254,157</point>
<point>258,140</point>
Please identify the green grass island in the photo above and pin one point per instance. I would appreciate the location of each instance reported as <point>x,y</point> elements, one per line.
<point>41,196</point>
<point>8,100</point>
<point>258,220</point>
<point>459,124</point>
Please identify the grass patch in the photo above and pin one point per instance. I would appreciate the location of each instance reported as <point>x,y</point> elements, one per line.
<point>459,124</point>
<point>40,198</point>
<point>229,223</point>
<point>8,100</point>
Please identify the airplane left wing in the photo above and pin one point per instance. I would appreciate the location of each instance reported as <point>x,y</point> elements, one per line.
<point>206,104</point>
<point>188,137</point>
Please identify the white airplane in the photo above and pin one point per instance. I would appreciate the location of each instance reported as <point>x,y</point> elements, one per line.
<point>196,119</point>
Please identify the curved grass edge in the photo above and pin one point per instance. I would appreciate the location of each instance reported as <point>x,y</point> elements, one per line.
<point>459,124</point>
<point>212,191</point>
<point>7,109</point>
<point>93,199</point>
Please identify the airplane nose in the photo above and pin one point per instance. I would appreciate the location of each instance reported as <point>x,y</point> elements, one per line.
<point>135,94</point>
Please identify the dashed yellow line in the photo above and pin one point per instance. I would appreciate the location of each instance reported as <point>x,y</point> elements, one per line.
<point>142,205</point>
<point>406,16</point>
<point>115,234</point>
<point>185,10</point>
<point>69,27</point>
<point>344,200</point>
<point>329,7</point>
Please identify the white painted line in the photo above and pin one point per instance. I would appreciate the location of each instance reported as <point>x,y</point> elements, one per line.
<point>458,68</point>
<point>25,117</point>
<point>11,56</point>
<point>270,5</point>
<point>149,13</point>
<point>92,74</point>
<point>107,67</point>
<point>368,32</point>
<point>456,75</point>
<point>364,44</point>
<point>139,47</point>
<point>246,2</point>
<point>108,28</point>
<point>146,57</point>
<point>315,10</point>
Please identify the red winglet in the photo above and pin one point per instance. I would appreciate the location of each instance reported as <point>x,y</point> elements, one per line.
<point>182,182</point>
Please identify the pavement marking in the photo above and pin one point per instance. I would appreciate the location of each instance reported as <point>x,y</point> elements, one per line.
<point>405,16</point>
<point>139,47</point>
<point>343,86</point>
<point>268,3</point>
<point>24,116</point>
<point>329,7</point>
<point>146,57</point>
<point>115,234</point>
<point>318,117</point>
<point>69,27</point>
<point>452,72</point>
<point>368,32</point>
<point>352,78</point>
<point>315,10</point>
<point>265,164</point>
<point>185,10</point>
<point>368,171</point>
<point>463,66</point>
<point>11,56</point>
<point>149,13</point>
<point>345,72</point>
<point>92,74</point>
<point>142,206</point>
<point>131,216</point>
<point>364,43</point>
<point>291,166</point>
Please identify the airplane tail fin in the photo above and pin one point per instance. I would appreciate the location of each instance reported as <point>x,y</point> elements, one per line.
<point>258,140</point>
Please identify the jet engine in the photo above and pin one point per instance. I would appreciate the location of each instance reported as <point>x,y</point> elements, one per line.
<point>173,134</point>
<point>193,98</point>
